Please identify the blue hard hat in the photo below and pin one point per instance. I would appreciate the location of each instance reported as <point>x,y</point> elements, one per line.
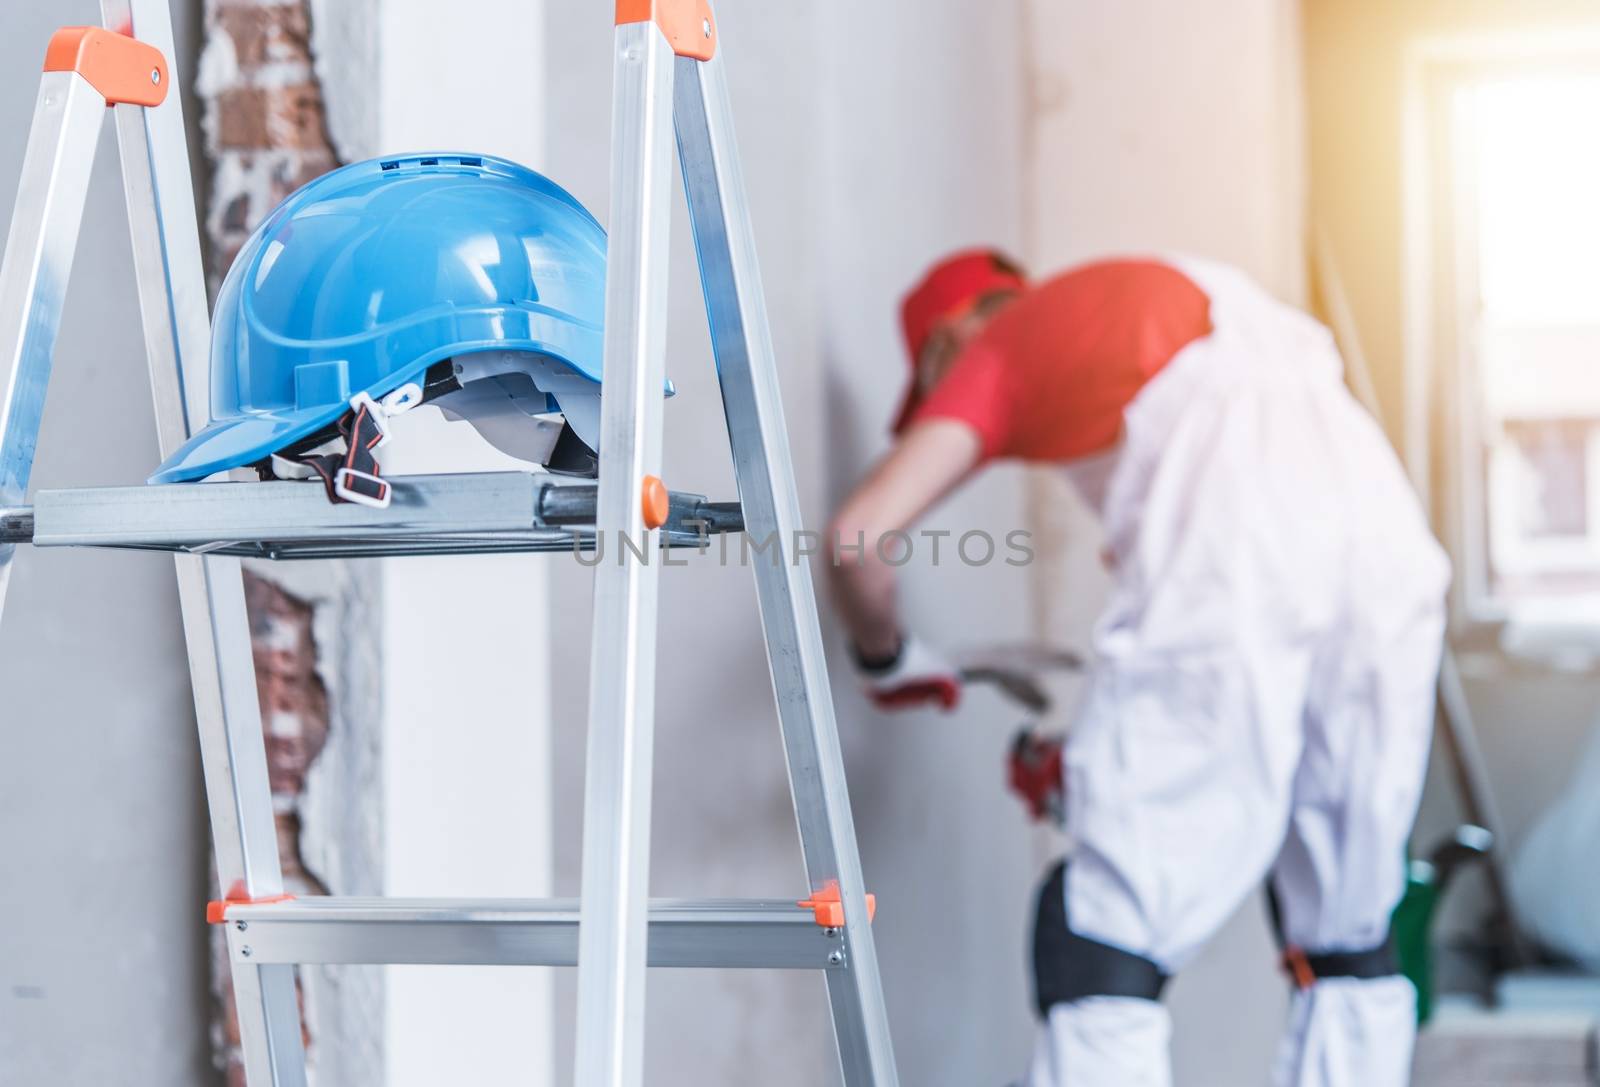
<point>368,276</point>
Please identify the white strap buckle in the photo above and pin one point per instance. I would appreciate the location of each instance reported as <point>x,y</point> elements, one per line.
<point>341,488</point>
<point>380,418</point>
<point>398,402</point>
<point>403,399</point>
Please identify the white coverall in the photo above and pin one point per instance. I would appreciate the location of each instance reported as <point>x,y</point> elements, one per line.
<point>1261,697</point>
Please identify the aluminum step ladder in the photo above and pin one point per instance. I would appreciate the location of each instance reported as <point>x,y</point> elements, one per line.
<point>668,76</point>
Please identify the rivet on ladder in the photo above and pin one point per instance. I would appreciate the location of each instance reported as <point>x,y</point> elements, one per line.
<point>655,502</point>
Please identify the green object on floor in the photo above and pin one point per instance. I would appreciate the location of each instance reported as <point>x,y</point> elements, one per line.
<point>1412,924</point>
<point>1412,921</point>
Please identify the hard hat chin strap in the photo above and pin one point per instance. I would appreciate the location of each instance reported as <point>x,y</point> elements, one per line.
<point>354,475</point>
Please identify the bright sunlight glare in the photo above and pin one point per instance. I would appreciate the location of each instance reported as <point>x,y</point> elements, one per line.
<point>1538,172</point>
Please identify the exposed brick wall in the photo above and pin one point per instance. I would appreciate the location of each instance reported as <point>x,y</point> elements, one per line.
<point>265,121</point>
<point>266,136</point>
<point>294,709</point>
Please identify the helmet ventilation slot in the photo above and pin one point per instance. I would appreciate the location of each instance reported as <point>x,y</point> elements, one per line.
<point>433,160</point>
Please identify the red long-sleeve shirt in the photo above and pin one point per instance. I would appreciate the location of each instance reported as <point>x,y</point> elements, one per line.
<point>1049,376</point>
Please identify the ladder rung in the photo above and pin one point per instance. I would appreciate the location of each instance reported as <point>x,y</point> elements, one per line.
<point>467,513</point>
<point>729,933</point>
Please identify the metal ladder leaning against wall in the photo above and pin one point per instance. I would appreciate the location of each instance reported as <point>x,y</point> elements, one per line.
<point>668,75</point>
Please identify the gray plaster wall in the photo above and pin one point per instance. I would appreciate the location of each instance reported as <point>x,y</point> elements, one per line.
<point>102,820</point>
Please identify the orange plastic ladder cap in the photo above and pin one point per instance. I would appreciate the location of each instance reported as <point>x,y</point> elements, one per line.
<point>654,502</point>
<point>828,909</point>
<point>124,70</point>
<point>217,911</point>
<point>688,25</point>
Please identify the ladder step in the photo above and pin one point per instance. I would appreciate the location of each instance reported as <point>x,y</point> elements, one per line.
<point>465,513</point>
<point>726,933</point>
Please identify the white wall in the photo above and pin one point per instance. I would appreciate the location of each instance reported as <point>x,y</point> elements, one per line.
<point>466,652</point>
<point>103,971</point>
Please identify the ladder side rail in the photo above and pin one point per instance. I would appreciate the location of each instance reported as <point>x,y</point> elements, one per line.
<point>42,238</point>
<point>612,933</point>
<point>165,225</point>
<point>747,368</point>
<point>164,229</point>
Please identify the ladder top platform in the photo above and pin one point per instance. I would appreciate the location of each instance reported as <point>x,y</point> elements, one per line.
<point>466,513</point>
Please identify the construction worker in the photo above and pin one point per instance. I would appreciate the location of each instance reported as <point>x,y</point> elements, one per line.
<point>1260,697</point>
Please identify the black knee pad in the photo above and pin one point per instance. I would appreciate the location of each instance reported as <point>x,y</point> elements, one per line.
<point>1069,967</point>
<point>1307,967</point>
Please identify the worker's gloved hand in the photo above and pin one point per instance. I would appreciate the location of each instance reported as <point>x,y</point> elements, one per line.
<point>915,676</point>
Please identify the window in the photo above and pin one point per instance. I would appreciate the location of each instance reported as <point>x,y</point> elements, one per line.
<point>1524,194</point>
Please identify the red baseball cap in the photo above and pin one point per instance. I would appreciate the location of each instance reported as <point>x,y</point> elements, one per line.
<point>946,291</point>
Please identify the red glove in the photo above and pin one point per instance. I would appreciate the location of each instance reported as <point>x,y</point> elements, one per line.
<point>918,676</point>
<point>1034,773</point>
